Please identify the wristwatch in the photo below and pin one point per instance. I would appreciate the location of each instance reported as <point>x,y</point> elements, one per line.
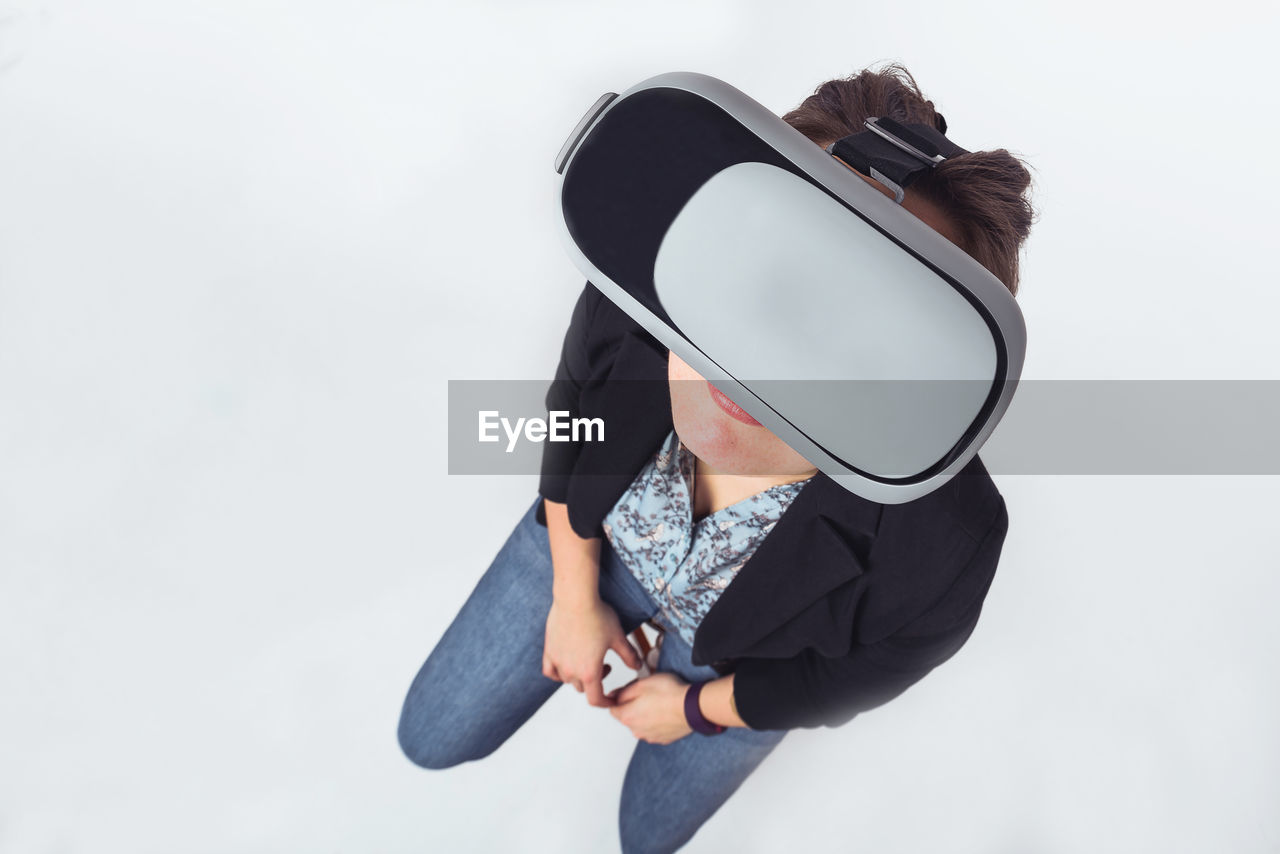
<point>693,713</point>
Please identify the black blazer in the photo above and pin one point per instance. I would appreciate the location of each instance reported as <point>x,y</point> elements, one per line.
<point>844,605</point>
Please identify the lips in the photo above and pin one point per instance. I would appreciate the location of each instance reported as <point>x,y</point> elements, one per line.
<point>731,409</point>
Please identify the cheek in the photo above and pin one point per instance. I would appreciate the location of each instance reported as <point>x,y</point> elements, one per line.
<point>679,370</point>
<point>699,423</point>
<point>707,432</point>
<point>729,445</point>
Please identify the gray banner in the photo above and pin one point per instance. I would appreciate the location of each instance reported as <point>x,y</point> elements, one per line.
<point>1124,427</point>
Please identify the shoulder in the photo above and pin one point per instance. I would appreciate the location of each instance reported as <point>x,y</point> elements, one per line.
<point>935,556</point>
<point>604,328</point>
<point>963,510</point>
<point>967,507</point>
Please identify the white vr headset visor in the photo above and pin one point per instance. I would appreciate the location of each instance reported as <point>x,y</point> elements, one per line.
<point>869,343</point>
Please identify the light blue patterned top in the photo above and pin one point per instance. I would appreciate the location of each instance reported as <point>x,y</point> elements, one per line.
<point>686,565</point>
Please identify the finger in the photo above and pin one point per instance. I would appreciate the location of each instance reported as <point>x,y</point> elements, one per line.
<point>630,691</point>
<point>577,685</point>
<point>549,669</point>
<point>595,694</point>
<point>627,653</point>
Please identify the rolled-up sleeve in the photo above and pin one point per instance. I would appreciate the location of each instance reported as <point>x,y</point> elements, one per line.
<point>811,690</point>
<point>558,458</point>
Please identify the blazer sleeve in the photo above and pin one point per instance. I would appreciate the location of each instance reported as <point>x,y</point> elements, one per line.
<point>558,458</point>
<point>812,690</point>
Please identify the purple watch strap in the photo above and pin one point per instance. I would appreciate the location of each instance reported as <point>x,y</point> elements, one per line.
<point>693,714</point>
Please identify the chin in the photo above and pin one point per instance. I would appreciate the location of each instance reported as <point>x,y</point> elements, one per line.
<point>724,443</point>
<point>721,441</point>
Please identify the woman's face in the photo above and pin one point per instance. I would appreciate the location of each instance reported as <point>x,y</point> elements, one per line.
<point>725,437</point>
<point>721,434</point>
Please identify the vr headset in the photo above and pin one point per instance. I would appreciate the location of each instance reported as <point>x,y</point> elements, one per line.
<point>870,344</point>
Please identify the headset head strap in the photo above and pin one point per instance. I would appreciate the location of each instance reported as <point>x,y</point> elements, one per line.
<point>893,153</point>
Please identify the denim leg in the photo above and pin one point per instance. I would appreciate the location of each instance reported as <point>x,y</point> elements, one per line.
<point>671,790</point>
<point>484,678</point>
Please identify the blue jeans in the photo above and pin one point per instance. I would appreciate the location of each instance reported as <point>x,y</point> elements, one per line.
<point>493,648</point>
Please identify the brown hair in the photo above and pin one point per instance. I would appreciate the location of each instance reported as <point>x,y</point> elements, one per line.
<point>984,192</point>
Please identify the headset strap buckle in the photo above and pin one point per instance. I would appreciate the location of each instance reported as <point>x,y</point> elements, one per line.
<point>893,153</point>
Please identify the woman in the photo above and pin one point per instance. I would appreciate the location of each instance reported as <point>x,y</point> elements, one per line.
<point>785,600</point>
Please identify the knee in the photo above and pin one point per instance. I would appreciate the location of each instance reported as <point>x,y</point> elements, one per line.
<point>429,747</point>
<point>641,832</point>
<point>424,739</point>
<point>423,749</point>
<point>432,739</point>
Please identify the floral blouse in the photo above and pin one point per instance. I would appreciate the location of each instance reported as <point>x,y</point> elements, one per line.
<point>685,565</point>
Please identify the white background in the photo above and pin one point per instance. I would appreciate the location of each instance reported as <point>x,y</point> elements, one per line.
<point>244,245</point>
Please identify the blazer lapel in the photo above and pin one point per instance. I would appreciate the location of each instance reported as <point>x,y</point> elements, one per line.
<point>820,543</point>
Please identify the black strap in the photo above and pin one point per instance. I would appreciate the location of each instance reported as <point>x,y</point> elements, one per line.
<point>897,165</point>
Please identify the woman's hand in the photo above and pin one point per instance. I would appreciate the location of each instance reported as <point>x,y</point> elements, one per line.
<point>580,627</point>
<point>653,708</point>
<point>579,632</point>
